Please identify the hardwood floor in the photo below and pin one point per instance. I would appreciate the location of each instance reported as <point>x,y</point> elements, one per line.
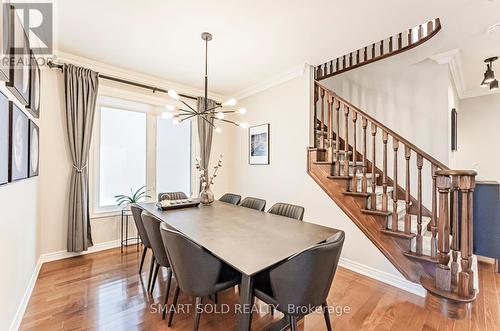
<point>103,291</point>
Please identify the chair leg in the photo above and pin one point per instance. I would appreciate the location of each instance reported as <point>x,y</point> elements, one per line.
<point>272,310</point>
<point>293,323</point>
<point>169,280</point>
<point>327,317</point>
<point>173,306</point>
<point>142,259</point>
<point>155,276</point>
<point>197,313</point>
<point>151,267</point>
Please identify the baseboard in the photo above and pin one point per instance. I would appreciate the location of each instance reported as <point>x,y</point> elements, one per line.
<point>16,322</point>
<point>63,254</point>
<point>382,276</point>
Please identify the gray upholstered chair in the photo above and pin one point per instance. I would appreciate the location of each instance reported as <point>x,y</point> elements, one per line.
<point>197,272</point>
<point>301,283</point>
<point>287,210</point>
<point>152,226</point>
<point>254,203</point>
<point>136,214</point>
<point>172,196</point>
<point>231,198</point>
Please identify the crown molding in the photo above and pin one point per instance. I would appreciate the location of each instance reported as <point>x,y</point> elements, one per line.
<point>134,76</point>
<point>293,72</point>
<point>454,61</point>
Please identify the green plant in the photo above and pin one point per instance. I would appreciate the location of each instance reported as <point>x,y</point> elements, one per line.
<point>133,197</point>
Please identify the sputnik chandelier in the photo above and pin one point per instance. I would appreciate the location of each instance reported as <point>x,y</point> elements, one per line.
<point>208,114</point>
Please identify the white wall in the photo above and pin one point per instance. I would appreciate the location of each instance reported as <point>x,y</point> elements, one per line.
<point>478,135</point>
<point>19,240</point>
<point>286,108</point>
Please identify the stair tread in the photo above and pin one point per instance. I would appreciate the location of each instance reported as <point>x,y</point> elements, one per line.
<point>376,212</point>
<point>422,257</point>
<point>399,234</point>
<point>339,177</point>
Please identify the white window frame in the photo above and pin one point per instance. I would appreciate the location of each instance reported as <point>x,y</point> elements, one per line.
<point>151,108</point>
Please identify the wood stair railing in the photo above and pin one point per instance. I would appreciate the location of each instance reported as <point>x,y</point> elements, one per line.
<point>393,45</point>
<point>351,154</point>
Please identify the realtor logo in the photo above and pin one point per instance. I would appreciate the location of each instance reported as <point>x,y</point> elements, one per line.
<point>34,20</point>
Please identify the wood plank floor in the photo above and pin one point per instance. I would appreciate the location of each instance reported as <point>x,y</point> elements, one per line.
<point>103,291</point>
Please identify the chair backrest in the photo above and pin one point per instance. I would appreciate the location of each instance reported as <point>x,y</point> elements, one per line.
<point>231,198</point>
<point>304,279</point>
<point>254,203</point>
<point>287,210</point>
<point>152,226</point>
<point>136,214</point>
<point>172,196</point>
<point>195,269</point>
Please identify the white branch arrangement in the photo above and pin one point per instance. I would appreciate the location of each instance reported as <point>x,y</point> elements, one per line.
<point>204,172</point>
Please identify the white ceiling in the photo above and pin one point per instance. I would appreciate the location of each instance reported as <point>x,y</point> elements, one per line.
<point>256,40</point>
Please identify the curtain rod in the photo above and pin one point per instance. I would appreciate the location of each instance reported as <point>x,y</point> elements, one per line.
<point>53,65</point>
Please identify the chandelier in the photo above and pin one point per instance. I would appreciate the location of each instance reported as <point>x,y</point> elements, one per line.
<point>210,115</point>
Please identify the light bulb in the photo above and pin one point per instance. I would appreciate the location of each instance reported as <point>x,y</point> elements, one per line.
<point>166,115</point>
<point>243,125</point>
<point>218,130</point>
<point>173,94</point>
<point>170,107</point>
<point>494,85</point>
<point>242,110</point>
<point>220,115</point>
<point>230,102</point>
<point>176,121</point>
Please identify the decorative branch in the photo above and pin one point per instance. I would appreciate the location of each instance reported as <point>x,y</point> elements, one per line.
<point>204,172</point>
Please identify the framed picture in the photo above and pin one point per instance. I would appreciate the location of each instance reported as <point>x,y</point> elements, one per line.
<point>4,139</point>
<point>18,143</point>
<point>258,148</point>
<point>454,127</point>
<point>19,77</point>
<point>34,102</point>
<point>33,149</point>
<point>5,35</point>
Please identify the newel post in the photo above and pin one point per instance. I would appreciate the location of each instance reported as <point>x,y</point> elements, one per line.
<point>466,184</point>
<point>443,272</point>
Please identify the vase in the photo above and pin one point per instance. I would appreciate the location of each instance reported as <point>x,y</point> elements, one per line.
<point>206,196</point>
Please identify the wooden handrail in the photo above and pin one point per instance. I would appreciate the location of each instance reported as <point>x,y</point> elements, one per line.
<point>398,137</point>
<point>326,69</point>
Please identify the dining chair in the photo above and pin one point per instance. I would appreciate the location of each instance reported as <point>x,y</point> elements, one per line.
<point>231,198</point>
<point>287,210</point>
<point>136,214</point>
<point>152,225</point>
<point>302,282</point>
<point>197,272</point>
<point>254,203</point>
<point>172,196</point>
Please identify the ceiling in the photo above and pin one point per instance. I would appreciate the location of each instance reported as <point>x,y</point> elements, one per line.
<point>256,40</point>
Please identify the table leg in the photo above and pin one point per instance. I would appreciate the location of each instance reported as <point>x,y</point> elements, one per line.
<point>246,302</point>
<point>121,234</point>
<point>126,231</point>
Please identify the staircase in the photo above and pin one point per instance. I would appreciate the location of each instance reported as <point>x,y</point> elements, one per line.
<point>416,210</point>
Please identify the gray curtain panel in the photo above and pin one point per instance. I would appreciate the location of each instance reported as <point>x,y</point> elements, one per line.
<point>205,131</point>
<point>80,86</point>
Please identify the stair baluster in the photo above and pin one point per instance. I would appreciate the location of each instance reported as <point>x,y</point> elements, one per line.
<point>400,41</point>
<point>346,141</point>
<point>390,44</point>
<point>395,216</point>
<point>381,47</point>
<point>366,54</point>
<point>373,200</point>
<point>373,51</point>
<point>330,128</point>
<point>337,138</point>
<point>315,125</point>
<point>385,199</point>
<point>322,128</point>
<point>434,214</point>
<point>409,36</point>
<point>455,247</point>
<point>419,239</point>
<point>407,191</point>
<point>364,181</point>
<point>354,182</point>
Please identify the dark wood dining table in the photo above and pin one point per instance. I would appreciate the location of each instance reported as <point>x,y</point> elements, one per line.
<point>248,240</point>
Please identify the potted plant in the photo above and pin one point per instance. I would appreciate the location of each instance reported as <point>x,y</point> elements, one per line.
<point>134,197</point>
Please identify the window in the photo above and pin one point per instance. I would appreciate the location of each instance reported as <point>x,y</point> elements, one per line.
<point>129,139</point>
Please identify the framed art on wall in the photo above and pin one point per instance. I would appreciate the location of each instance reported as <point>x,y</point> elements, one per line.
<point>18,143</point>
<point>34,102</point>
<point>258,149</point>
<point>34,141</point>
<point>4,139</point>
<point>19,78</point>
<point>4,41</point>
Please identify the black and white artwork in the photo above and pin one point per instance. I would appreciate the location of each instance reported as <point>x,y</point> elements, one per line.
<point>33,149</point>
<point>259,144</point>
<point>4,41</point>
<point>19,143</point>
<point>19,78</point>
<point>4,139</point>
<point>34,103</point>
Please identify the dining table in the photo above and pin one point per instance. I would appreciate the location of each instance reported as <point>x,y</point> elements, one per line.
<point>249,240</point>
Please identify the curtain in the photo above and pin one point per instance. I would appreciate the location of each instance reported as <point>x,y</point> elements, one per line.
<point>80,87</point>
<point>205,131</point>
